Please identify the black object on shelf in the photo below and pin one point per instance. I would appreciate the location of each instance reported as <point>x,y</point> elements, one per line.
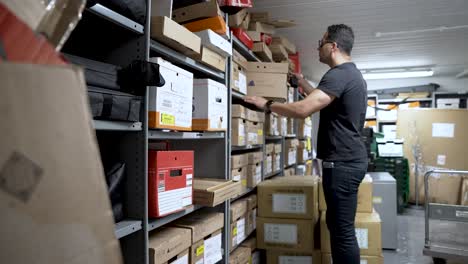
<point>115,178</point>
<point>113,105</point>
<point>139,74</point>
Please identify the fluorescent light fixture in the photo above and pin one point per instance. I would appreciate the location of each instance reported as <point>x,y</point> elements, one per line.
<point>396,75</point>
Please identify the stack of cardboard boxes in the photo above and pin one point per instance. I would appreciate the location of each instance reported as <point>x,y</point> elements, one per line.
<point>277,157</point>
<point>254,169</point>
<point>193,239</point>
<point>271,125</point>
<point>261,34</point>
<point>267,80</point>
<point>367,224</point>
<point>243,220</point>
<point>247,126</point>
<point>304,128</point>
<point>254,128</point>
<point>290,156</point>
<point>268,162</point>
<point>303,151</point>
<point>238,73</point>
<point>287,214</point>
<point>239,168</point>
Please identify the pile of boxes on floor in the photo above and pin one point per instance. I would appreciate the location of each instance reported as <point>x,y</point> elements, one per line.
<point>289,228</point>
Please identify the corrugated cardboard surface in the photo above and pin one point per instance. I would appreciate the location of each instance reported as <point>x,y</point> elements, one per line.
<point>326,259</point>
<point>52,188</point>
<point>364,204</point>
<point>167,243</point>
<point>211,192</point>
<point>368,233</point>
<point>238,111</point>
<point>262,51</point>
<point>197,11</point>
<point>238,132</point>
<point>254,157</point>
<point>238,209</point>
<point>294,197</point>
<point>181,258</point>
<point>174,35</point>
<point>416,125</point>
<point>201,224</point>
<point>289,46</point>
<point>275,257</point>
<point>240,256</point>
<point>198,249</point>
<point>239,160</point>
<point>292,235</point>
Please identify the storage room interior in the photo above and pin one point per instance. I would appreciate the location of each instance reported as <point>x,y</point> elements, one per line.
<point>136,131</point>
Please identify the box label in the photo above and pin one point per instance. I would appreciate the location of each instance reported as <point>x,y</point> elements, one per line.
<point>377,200</point>
<point>260,132</point>
<point>213,252</point>
<point>182,260</point>
<point>362,235</point>
<point>258,174</point>
<point>167,119</point>
<point>291,157</point>
<point>173,200</point>
<point>280,233</point>
<point>443,130</point>
<point>363,261</point>
<point>240,230</point>
<point>295,260</point>
<point>200,250</point>
<point>289,203</point>
<point>242,83</point>
<point>441,159</point>
<point>201,261</point>
<point>253,138</point>
<point>189,179</point>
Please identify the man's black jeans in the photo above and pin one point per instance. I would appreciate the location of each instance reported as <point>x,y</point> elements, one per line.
<point>340,187</point>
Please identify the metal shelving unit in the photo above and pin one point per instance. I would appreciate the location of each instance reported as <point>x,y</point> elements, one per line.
<point>117,125</point>
<point>156,223</point>
<point>116,18</point>
<point>275,173</point>
<point>161,135</point>
<point>250,147</point>
<point>127,227</point>
<point>246,192</point>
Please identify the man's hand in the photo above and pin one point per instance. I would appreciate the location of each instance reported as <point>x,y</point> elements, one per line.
<point>259,102</point>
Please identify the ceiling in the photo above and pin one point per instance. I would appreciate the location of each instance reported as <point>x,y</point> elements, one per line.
<point>446,51</point>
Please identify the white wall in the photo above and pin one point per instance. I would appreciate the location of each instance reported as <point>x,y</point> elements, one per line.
<point>447,84</point>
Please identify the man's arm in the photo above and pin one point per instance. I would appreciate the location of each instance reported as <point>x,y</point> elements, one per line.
<point>314,102</point>
<point>304,84</point>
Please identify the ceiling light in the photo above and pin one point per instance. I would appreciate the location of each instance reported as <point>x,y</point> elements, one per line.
<point>396,75</point>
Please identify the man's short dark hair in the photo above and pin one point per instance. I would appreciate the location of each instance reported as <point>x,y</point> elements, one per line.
<point>343,35</point>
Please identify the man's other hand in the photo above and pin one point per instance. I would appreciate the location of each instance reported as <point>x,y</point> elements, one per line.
<point>259,102</point>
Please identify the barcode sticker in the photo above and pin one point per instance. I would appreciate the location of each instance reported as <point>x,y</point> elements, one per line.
<point>362,235</point>
<point>289,203</point>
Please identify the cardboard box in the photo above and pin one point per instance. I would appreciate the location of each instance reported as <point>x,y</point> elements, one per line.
<point>279,52</point>
<point>45,174</point>
<point>291,127</point>
<point>240,256</point>
<point>238,58</point>
<point>290,157</point>
<point>261,27</point>
<point>270,148</point>
<point>326,259</point>
<point>208,250</point>
<point>240,20</point>
<point>211,58</point>
<point>446,103</point>
<point>254,157</point>
<point>275,257</point>
<point>238,232</point>
<point>254,175</point>
<point>283,126</point>
<point>212,192</point>
<point>240,160</point>
<point>368,234</point>
<point>441,136</point>
<point>290,47</point>
<point>292,143</point>
<point>277,149</point>
<point>240,175</point>
<point>170,106</point>
<point>262,51</point>
<point>364,204</point>
<point>271,124</point>
<point>292,235</point>
<point>260,37</point>
<point>254,133</point>
<point>276,157</point>
<point>290,172</point>
<point>168,242</point>
<point>210,106</point>
<point>201,224</point>
<point>268,164</point>
<point>182,258</point>
<point>174,35</point>
<point>243,37</point>
<point>238,111</point>
<point>464,192</point>
<point>251,224</point>
<point>295,197</point>
<point>302,155</point>
<point>267,79</point>
<point>263,17</point>
<point>255,116</point>
<point>215,42</point>
<point>239,78</point>
<point>205,9</point>
<point>251,201</point>
<point>250,243</point>
<point>170,178</point>
<point>238,132</point>
<point>216,24</point>
<point>238,209</point>
<point>304,128</point>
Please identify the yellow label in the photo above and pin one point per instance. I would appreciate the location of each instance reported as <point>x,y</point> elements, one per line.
<point>200,250</point>
<point>377,199</point>
<point>244,182</point>
<point>167,119</point>
<point>309,144</point>
<point>250,260</point>
<point>260,132</point>
<point>241,138</point>
<point>234,231</point>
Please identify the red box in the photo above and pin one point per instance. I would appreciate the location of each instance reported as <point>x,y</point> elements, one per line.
<point>267,39</point>
<point>243,37</point>
<point>297,66</point>
<point>170,178</point>
<point>235,3</point>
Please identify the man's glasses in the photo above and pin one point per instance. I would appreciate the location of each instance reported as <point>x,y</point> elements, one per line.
<point>321,43</point>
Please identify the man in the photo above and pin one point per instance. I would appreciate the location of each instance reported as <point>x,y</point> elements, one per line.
<point>341,98</point>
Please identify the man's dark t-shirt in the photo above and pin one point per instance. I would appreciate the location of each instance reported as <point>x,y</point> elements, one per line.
<point>342,121</point>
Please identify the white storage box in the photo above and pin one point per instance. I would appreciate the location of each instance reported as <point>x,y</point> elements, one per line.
<point>170,106</point>
<point>448,103</point>
<point>210,105</point>
<point>215,42</point>
<point>390,148</point>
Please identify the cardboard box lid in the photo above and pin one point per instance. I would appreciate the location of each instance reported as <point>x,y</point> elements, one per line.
<point>168,242</point>
<point>52,176</point>
<point>238,111</point>
<point>201,10</point>
<point>267,67</point>
<point>201,224</point>
<point>217,24</point>
<point>238,58</point>
<point>252,202</point>
<point>175,35</point>
<point>291,181</point>
<point>241,255</point>
<point>211,58</point>
<point>255,157</point>
<point>211,192</point>
<point>240,160</point>
<point>238,209</point>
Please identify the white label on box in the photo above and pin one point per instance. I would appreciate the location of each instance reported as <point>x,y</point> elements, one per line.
<point>253,138</point>
<point>189,178</point>
<point>182,260</point>
<point>258,174</point>
<point>363,261</point>
<point>280,233</point>
<point>441,159</point>
<point>389,131</point>
<point>289,203</point>
<point>295,260</point>
<point>377,200</point>
<point>240,230</point>
<point>170,201</point>
<point>292,157</point>
<point>213,251</point>
<point>305,155</point>
<point>362,235</point>
<point>201,261</point>
<point>443,130</point>
<point>236,178</point>
<point>242,83</point>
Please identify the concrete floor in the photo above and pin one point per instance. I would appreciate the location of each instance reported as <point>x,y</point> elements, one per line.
<point>410,240</point>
